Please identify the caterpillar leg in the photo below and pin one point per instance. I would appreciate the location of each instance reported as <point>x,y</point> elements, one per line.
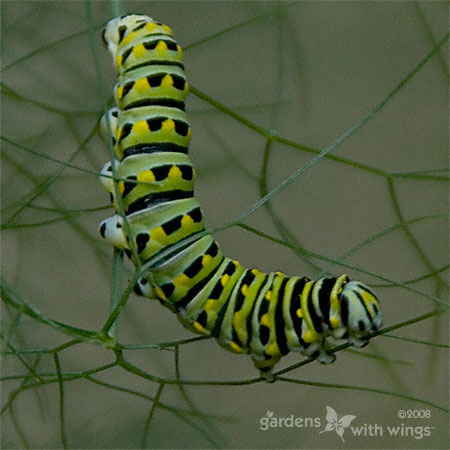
<point>108,124</point>
<point>106,175</point>
<point>108,128</point>
<point>318,351</point>
<point>358,342</point>
<point>144,288</point>
<point>112,231</point>
<point>107,181</point>
<point>324,357</point>
<point>265,366</point>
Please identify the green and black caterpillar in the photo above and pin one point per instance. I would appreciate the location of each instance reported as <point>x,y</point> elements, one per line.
<point>247,311</point>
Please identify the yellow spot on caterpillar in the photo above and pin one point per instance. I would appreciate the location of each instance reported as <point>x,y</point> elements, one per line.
<point>139,51</point>
<point>210,305</point>
<point>174,173</point>
<point>187,221</point>
<point>235,347</point>
<point>280,274</point>
<point>119,92</point>
<point>121,186</point>
<point>168,126</point>
<point>147,176</point>
<point>334,322</point>
<point>118,133</point>
<point>150,26</point>
<point>268,295</point>
<point>180,280</point>
<point>265,320</point>
<point>160,293</point>
<point>167,81</point>
<point>244,289</point>
<point>272,350</point>
<point>141,127</point>
<point>141,86</point>
<point>167,29</point>
<point>299,313</point>
<point>157,234</point>
<point>224,280</point>
<point>128,38</point>
<point>179,51</point>
<point>198,327</point>
<point>255,271</point>
<point>160,48</point>
<point>118,60</point>
<point>206,259</point>
<point>309,336</point>
<point>189,133</point>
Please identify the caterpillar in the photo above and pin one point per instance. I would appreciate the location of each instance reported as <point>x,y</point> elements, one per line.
<point>246,310</point>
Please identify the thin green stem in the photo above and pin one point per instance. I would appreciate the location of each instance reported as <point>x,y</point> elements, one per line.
<point>365,389</point>
<point>120,304</point>
<point>61,401</point>
<point>429,33</point>
<point>116,7</point>
<point>52,178</point>
<point>150,416</point>
<point>23,387</point>
<point>187,399</point>
<point>10,297</point>
<point>417,247</point>
<point>344,264</point>
<point>416,341</point>
<point>227,30</point>
<point>162,345</point>
<point>48,46</point>
<point>279,225</point>
<point>413,280</point>
<point>44,223</point>
<point>21,359</point>
<point>116,289</point>
<point>404,224</point>
<point>341,139</point>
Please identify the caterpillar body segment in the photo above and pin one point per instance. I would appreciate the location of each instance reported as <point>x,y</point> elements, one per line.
<point>246,310</point>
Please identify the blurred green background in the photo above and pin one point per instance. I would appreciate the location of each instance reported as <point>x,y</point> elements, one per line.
<point>306,70</point>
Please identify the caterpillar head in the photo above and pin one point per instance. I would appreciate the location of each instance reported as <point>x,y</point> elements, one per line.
<point>118,28</point>
<point>360,310</point>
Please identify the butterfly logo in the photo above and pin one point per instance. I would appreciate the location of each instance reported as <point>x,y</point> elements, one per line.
<point>337,425</point>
